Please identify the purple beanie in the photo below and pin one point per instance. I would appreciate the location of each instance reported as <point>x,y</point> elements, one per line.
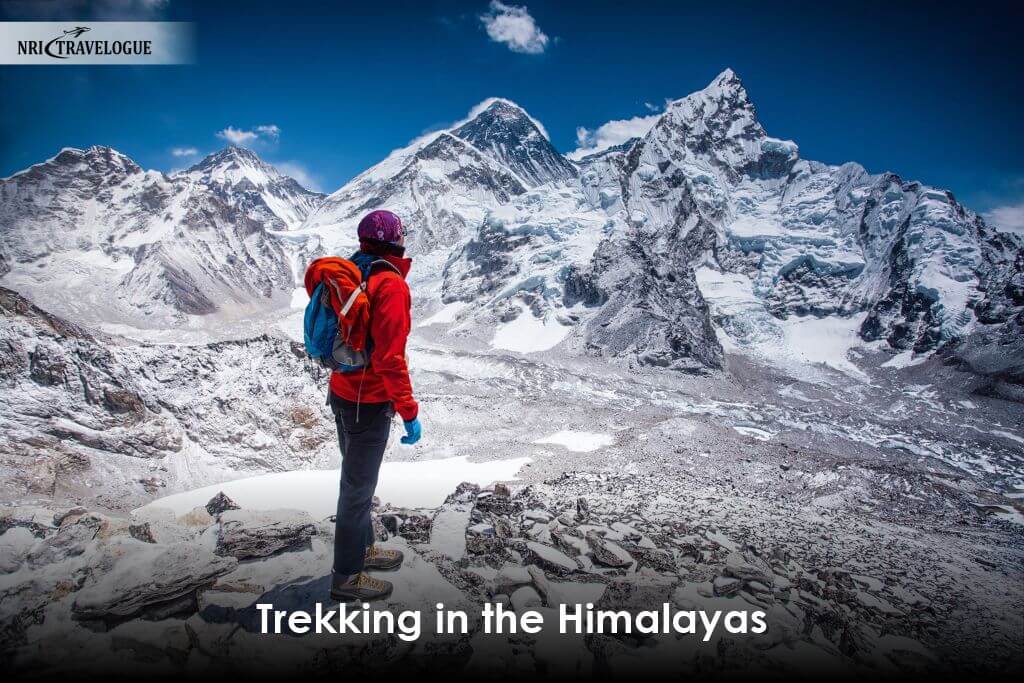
<point>381,225</point>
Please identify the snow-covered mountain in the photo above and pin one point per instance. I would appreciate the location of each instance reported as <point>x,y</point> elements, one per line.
<point>773,484</point>
<point>706,236</point>
<point>265,193</point>
<point>777,241</point>
<point>507,133</point>
<point>97,238</point>
<point>707,233</point>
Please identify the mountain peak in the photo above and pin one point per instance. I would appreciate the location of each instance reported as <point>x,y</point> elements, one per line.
<point>725,92</point>
<point>722,110</point>
<point>99,160</point>
<point>497,111</point>
<point>728,76</point>
<point>504,131</point>
<point>227,156</point>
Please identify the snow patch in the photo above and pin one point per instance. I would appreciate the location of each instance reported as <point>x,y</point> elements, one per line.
<point>528,334</point>
<point>422,484</point>
<point>447,314</point>
<point>580,442</point>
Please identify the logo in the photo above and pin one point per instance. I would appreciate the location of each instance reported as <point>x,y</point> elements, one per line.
<point>116,43</point>
<point>70,44</point>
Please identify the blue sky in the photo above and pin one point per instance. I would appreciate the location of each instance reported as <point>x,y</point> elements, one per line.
<point>931,93</point>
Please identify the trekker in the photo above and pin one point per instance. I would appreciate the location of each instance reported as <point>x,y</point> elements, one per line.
<point>364,402</point>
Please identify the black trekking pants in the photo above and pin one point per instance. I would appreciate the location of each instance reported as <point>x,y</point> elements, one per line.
<point>362,443</point>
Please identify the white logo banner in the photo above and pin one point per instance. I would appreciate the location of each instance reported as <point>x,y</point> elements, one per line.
<point>96,42</point>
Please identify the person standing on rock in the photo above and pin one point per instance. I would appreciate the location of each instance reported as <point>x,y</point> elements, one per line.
<point>364,403</point>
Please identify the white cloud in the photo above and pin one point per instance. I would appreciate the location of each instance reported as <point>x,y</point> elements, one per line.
<point>1009,218</point>
<point>514,27</point>
<point>184,151</point>
<point>300,173</point>
<point>611,134</point>
<point>270,131</point>
<point>238,136</point>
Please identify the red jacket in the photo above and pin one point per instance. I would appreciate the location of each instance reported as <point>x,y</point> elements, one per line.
<point>387,377</point>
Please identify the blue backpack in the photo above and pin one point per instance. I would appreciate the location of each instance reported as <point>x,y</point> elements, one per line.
<point>336,323</point>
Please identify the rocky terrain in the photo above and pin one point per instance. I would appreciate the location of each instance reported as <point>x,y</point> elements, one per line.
<point>169,593</point>
<point>94,418</point>
<point>887,539</point>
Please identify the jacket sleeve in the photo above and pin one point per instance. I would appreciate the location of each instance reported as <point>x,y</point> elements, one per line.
<point>390,323</point>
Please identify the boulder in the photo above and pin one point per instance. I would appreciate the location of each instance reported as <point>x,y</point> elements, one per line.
<point>69,541</point>
<point>497,504</point>
<point>221,503</point>
<point>739,567</point>
<point>509,578</point>
<point>502,527</point>
<point>380,532</point>
<point>413,526</point>
<point>150,577</point>
<point>660,560</point>
<point>635,594</point>
<point>466,492</point>
<point>77,511</point>
<point>36,519</point>
<point>607,553</point>
<point>142,532</point>
<point>15,545</point>
<point>246,534</point>
<point>548,558</point>
<point>582,509</point>
<point>23,605</point>
<point>540,582</point>
<point>726,586</point>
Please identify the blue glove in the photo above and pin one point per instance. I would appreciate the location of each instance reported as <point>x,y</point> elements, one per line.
<point>413,432</point>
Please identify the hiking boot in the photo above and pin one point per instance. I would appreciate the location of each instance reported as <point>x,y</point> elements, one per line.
<point>359,587</point>
<point>381,559</point>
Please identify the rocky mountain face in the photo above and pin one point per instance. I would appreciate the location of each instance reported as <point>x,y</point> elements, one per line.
<point>508,134</point>
<point>93,236</point>
<point>814,240</point>
<point>85,415</point>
